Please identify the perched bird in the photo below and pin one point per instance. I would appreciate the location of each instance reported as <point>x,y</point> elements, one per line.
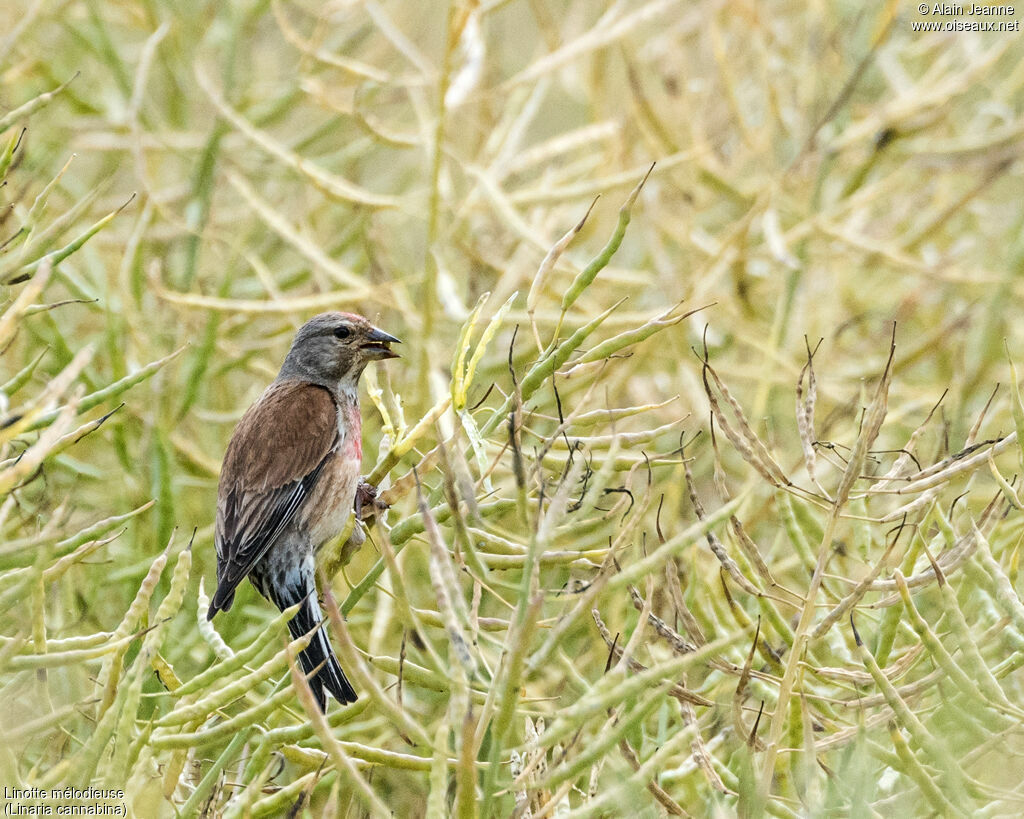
<point>290,478</point>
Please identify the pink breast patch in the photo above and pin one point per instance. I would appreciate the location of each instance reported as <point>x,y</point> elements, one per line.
<point>353,447</point>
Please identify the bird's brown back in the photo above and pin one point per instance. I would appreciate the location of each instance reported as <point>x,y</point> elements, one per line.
<point>272,461</point>
<point>281,438</point>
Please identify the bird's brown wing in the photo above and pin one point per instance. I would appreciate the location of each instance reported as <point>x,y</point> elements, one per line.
<point>273,461</point>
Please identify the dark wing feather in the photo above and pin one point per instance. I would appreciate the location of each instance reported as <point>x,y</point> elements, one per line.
<point>273,461</point>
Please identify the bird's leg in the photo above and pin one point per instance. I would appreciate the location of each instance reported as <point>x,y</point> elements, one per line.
<point>367,504</point>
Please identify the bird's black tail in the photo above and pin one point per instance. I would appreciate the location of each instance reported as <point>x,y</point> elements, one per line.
<point>320,655</point>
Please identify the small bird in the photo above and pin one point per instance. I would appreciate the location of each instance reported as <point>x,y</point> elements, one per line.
<point>290,479</point>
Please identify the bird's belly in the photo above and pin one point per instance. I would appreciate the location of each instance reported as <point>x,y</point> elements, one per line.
<point>327,510</point>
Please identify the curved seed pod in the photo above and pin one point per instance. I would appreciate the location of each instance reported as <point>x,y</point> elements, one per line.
<point>170,605</point>
<point>265,643</point>
<point>940,655</point>
<point>952,774</point>
<point>589,273</point>
<point>608,348</point>
<point>222,730</point>
<point>111,670</point>
<point>206,629</point>
<point>111,390</point>
<point>32,105</point>
<point>218,698</point>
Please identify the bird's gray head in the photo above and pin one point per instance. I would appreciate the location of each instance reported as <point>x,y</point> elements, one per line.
<point>332,350</point>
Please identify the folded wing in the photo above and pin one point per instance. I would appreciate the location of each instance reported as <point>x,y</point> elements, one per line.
<point>275,456</point>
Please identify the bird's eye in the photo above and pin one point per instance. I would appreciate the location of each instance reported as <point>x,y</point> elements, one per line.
<point>342,332</point>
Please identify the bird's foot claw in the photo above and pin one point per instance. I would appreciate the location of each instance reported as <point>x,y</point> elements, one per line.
<point>367,504</point>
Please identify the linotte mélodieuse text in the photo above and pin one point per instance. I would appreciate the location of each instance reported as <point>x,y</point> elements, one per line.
<point>67,801</point>
<point>88,792</point>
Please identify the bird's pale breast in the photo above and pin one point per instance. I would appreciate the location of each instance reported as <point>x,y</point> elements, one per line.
<point>326,511</point>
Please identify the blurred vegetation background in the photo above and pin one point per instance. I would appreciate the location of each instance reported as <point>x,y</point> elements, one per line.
<point>622,575</point>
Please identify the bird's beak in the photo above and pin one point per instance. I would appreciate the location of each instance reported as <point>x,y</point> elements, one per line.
<point>379,344</point>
